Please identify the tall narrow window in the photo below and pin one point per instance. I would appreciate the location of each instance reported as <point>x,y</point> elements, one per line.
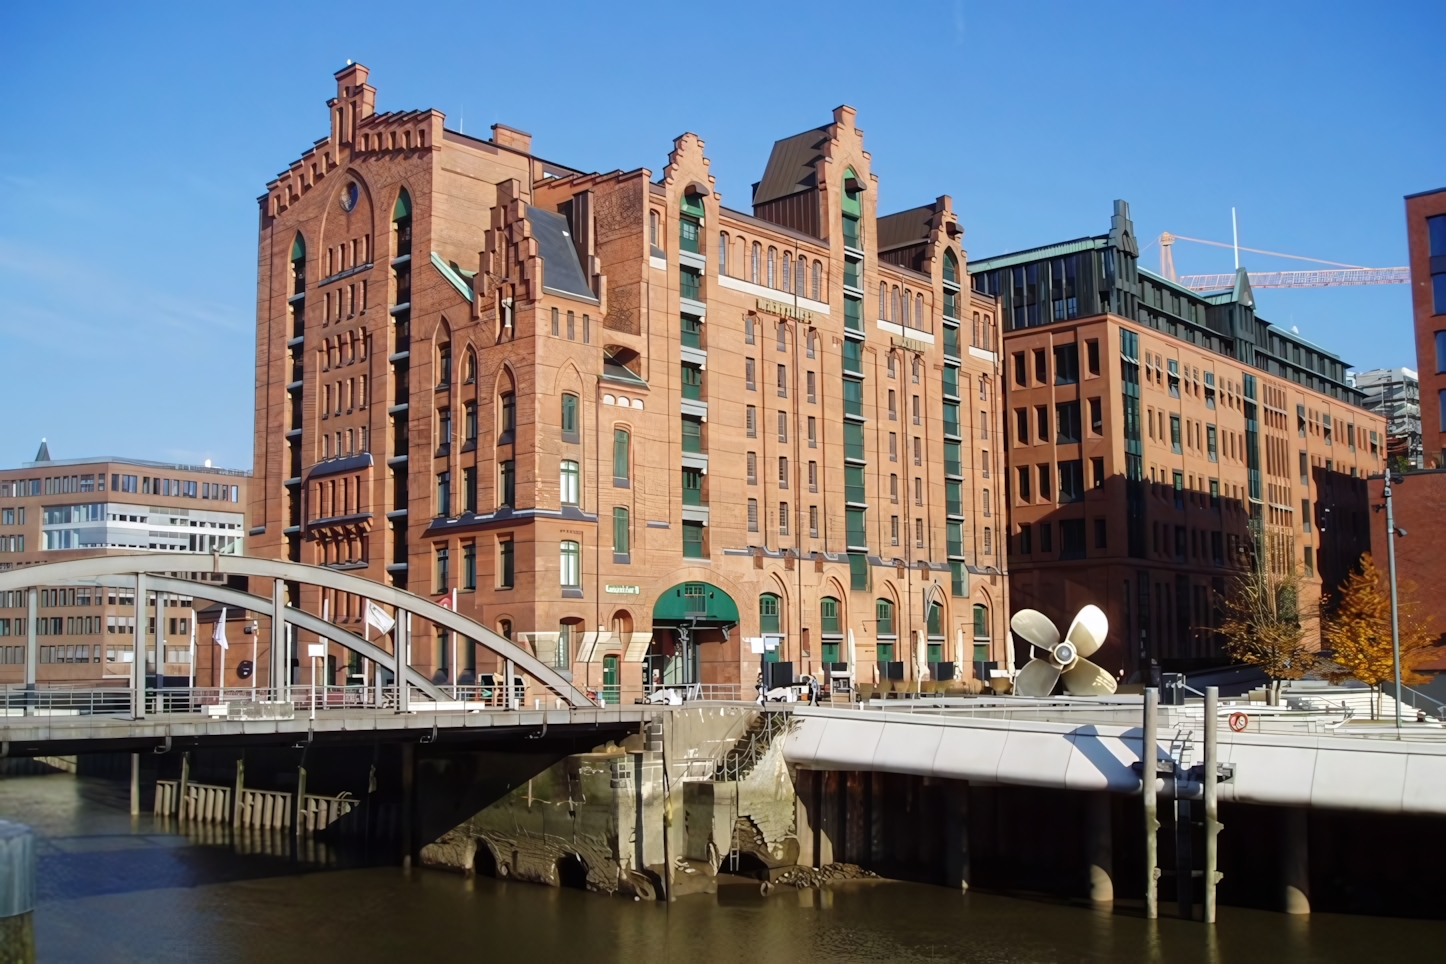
<point>570,565</point>
<point>569,483</point>
<point>569,418</point>
<point>507,421</point>
<point>505,564</point>
<point>621,456</point>
<point>621,531</point>
<point>506,484</point>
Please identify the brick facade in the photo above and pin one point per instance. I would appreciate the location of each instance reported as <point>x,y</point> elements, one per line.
<point>675,392</point>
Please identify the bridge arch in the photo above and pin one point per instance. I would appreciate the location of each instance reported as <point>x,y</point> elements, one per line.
<point>151,567</point>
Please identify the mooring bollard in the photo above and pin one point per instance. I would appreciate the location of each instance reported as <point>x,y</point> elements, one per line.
<point>17,894</point>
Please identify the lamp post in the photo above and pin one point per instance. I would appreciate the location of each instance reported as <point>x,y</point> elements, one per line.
<point>1395,616</point>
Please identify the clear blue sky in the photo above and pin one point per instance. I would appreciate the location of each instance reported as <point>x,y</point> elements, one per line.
<point>137,137</point>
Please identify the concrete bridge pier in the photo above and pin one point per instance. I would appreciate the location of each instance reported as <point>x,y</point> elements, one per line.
<point>1099,848</point>
<point>1295,859</point>
<point>956,834</point>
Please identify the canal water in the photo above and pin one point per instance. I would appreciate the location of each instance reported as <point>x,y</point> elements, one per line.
<point>116,889</point>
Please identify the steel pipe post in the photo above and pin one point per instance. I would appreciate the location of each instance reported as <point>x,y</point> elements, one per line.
<point>135,784</point>
<point>32,647</point>
<point>402,643</point>
<point>1212,804</point>
<point>138,652</point>
<point>1149,752</point>
<point>278,634</point>
<point>160,646</point>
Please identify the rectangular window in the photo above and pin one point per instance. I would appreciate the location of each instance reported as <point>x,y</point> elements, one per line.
<point>1067,422</point>
<point>1100,533</point>
<point>444,494</point>
<point>1019,377</point>
<point>1092,353</point>
<point>1041,367</point>
<point>469,489</point>
<point>1044,487</point>
<point>506,483</point>
<point>749,381</point>
<point>443,569</point>
<point>783,472</point>
<point>1026,533</point>
<point>812,396</point>
<point>782,381</point>
<point>693,547</point>
<point>1097,471</point>
<point>1046,537</point>
<point>1175,434</point>
<point>783,426</point>
<point>569,573</point>
<point>856,531</point>
<point>1041,422</point>
<point>1210,443</point>
<point>1066,364</point>
<point>813,476</point>
<point>750,421</point>
<point>692,434</point>
<point>1305,515</point>
<point>1097,421</point>
<point>1071,481</point>
<point>469,565</point>
<point>1023,487</point>
<point>554,322</point>
<point>752,515</point>
<point>783,518</point>
<point>751,467</point>
<point>622,455</point>
<point>692,487</point>
<point>812,432</point>
<point>1021,426</point>
<point>692,377</point>
<point>621,531</point>
<point>813,521</point>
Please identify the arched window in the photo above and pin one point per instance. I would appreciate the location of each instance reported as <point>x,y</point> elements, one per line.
<point>622,455</point>
<point>936,620</point>
<point>883,300</point>
<point>884,617</point>
<point>800,278</point>
<point>757,255</point>
<point>817,280</point>
<point>298,264</point>
<point>444,364</point>
<point>570,565</point>
<point>722,252</point>
<point>506,417</point>
<point>894,304</point>
<point>787,266</point>
<point>402,222</point>
<point>772,267</point>
<point>919,311</point>
<point>653,228</point>
<point>768,620</point>
<point>904,304</point>
<point>469,368</point>
<point>951,267</point>
<point>828,615</point>
<point>981,632</point>
<point>569,483</point>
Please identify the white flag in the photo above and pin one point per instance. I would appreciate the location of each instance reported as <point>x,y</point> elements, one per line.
<point>219,636</point>
<point>378,619</point>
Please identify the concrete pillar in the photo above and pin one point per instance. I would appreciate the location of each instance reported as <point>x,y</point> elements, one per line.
<point>804,826</point>
<point>278,637</point>
<point>300,797</point>
<point>1149,750</point>
<point>1295,857</point>
<point>1099,848</point>
<point>32,645</point>
<point>828,822</point>
<point>956,834</point>
<point>135,784</point>
<point>402,634</point>
<point>184,784</point>
<point>240,785</point>
<point>856,828</point>
<point>17,893</point>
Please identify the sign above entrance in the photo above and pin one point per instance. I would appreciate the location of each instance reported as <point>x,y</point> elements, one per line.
<point>785,310</point>
<point>623,590</point>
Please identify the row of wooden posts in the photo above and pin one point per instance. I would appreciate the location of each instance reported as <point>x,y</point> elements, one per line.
<point>240,805</point>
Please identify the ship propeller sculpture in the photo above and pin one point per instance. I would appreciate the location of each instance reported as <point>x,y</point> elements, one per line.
<point>1064,659</point>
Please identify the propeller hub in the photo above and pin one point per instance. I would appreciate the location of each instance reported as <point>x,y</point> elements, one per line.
<point>1065,653</point>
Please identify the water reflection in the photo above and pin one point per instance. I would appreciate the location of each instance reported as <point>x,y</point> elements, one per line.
<point>121,889</point>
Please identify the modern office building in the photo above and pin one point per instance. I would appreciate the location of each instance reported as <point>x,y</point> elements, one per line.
<point>1161,440</point>
<point>53,510</point>
<point>1395,395</point>
<point>1426,241</point>
<point>650,436</point>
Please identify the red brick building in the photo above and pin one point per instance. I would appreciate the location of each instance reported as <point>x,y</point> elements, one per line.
<point>634,428</point>
<point>1426,241</point>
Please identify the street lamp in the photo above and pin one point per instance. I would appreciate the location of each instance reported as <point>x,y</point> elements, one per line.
<point>1391,533</point>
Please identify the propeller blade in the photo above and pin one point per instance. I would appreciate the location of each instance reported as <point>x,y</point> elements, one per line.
<point>1089,630</point>
<point>1035,628</point>
<point>1087,679</point>
<point>1037,678</point>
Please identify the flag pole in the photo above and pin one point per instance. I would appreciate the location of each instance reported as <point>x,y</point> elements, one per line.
<point>456,671</point>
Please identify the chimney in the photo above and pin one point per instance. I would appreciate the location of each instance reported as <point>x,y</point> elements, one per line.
<point>504,136</point>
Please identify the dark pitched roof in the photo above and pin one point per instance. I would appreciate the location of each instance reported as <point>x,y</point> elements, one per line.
<point>791,166</point>
<point>904,227</point>
<point>44,454</point>
<point>562,271</point>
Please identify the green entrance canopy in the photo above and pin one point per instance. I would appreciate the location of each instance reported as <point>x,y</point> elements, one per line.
<point>695,601</point>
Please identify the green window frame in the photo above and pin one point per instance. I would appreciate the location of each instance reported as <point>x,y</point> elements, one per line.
<point>853,314</point>
<point>856,527</point>
<point>858,571</point>
<point>622,445</point>
<point>958,579</point>
<point>883,617</point>
<point>622,530</point>
<point>854,484</point>
<point>469,565</point>
<point>693,541</point>
<point>936,621</point>
<point>768,618</point>
<point>690,331</point>
<point>830,653</point>
<point>853,441</point>
<point>690,283</point>
<point>853,397</point>
<point>853,357</point>
<point>569,573</point>
<point>692,486</point>
<point>692,434</point>
<point>569,414</point>
<point>828,615</point>
<point>692,377</point>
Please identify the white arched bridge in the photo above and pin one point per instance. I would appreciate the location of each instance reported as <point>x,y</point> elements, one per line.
<point>50,717</point>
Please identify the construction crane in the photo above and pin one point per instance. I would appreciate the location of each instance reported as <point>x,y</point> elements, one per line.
<point>1341,274</point>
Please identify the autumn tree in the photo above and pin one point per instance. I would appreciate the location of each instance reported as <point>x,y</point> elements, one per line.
<point>1262,625</point>
<point>1357,628</point>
